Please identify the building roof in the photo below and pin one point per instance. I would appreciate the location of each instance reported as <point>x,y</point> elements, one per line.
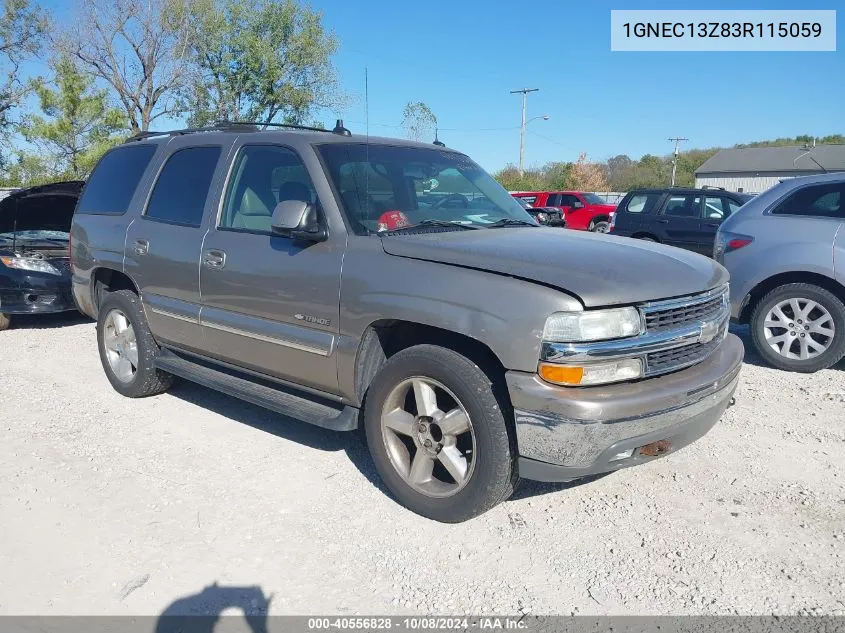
<point>797,158</point>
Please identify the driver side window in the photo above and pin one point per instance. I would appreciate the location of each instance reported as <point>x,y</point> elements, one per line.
<point>263,176</point>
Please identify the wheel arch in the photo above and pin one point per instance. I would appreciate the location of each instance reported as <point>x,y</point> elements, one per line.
<point>792,277</point>
<point>385,337</point>
<point>106,279</point>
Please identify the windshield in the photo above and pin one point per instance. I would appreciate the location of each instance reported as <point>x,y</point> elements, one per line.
<point>592,198</point>
<point>385,187</point>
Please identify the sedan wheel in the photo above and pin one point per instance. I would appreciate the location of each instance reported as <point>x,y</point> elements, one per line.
<point>799,329</point>
<point>428,436</point>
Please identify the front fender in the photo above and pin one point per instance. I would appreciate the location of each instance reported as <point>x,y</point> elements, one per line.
<point>504,313</point>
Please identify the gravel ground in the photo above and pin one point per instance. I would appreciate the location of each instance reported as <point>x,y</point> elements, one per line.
<point>118,506</point>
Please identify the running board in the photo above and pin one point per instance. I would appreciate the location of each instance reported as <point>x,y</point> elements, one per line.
<point>334,416</point>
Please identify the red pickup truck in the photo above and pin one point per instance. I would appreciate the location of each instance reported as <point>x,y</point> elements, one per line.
<point>581,211</point>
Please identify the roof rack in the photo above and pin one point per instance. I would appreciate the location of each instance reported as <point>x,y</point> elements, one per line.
<point>240,126</point>
<point>712,187</point>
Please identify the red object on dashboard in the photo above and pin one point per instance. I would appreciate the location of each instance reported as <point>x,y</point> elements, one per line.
<point>390,220</point>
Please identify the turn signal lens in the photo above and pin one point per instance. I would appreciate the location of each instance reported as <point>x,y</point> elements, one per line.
<point>592,373</point>
<point>561,374</point>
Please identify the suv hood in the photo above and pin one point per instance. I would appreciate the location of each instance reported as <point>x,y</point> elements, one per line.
<point>601,270</point>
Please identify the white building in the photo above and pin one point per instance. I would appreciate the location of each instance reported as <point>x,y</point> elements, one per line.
<point>755,169</point>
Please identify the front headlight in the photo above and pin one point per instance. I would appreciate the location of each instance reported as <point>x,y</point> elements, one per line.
<point>592,325</point>
<point>31,264</point>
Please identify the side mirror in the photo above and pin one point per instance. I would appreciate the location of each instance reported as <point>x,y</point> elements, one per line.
<point>577,205</point>
<point>298,220</point>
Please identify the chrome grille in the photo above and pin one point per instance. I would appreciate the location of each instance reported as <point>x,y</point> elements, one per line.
<point>670,315</point>
<point>679,357</point>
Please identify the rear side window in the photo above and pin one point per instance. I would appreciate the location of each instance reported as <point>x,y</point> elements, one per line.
<point>110,188</point>
<point>641,202</point>
<point>682,206</point>
<point>182,187</point>
<point>733,206</point>
<point>821,201</point>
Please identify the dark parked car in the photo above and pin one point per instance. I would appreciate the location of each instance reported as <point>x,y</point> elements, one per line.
<point>34,258</point>
<point>686,218</point>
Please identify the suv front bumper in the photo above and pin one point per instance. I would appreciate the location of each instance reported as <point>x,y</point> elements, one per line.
<point>566,433</point>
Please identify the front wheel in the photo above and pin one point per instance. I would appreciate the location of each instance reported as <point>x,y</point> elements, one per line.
<point>602,226</point>
<point>438,435</point>
<point>5,321</point>
<point>799,327</point>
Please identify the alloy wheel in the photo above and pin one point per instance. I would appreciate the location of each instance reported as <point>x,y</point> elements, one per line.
<point>429,437</point>
<point>121,345</point>
<point>799,329</point>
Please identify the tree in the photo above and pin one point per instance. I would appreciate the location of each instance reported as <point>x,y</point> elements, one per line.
<point>259,60</point>
<point>138,48</point>
<point>615,170</point>
<point>419,121</point>
<point>22,29</point>
<point>530,180</point>
<point>587,176</point>
<point>80,125</point>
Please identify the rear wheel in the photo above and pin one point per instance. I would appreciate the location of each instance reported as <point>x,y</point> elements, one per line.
<point>127,348</point>
<point>646,238</point>
<point>437,434</point>
<point>799,327</point>
<point>5,321</point>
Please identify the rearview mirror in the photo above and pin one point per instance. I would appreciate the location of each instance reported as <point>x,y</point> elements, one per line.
<point>298,220</point>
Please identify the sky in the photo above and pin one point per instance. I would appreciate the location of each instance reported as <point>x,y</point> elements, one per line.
<point>463,57</point>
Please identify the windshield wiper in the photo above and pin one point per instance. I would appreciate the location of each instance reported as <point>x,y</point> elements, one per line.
<point>509,222</point>
<point>444,223</point>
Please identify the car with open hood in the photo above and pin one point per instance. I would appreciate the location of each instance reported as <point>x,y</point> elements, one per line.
<point>34,258</point>
<point>352,281</point>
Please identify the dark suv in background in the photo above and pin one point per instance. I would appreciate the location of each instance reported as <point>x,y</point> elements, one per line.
<point>686,218</point>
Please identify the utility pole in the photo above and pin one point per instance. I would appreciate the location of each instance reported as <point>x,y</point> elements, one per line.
<point>524,93</point>
<point>677,140</point>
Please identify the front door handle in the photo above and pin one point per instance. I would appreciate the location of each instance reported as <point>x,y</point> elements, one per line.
<point>214,258</point>
<point>142,247</point>
<point>715,225</point>
<point>663,221</point>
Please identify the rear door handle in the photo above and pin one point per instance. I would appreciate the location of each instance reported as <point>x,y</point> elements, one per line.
<point>142,247</point>
<point>663,221</point>
<point>214,259</point>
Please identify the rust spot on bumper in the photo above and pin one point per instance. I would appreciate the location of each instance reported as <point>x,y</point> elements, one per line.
<point>656,448</point>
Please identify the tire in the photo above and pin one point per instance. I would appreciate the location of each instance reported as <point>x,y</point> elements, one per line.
<point>602,226</point>
<point>144,379</point>
<point>833,321</point>
<point>646,238</point>
<point>490,473</point>
<point>5,321</point>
